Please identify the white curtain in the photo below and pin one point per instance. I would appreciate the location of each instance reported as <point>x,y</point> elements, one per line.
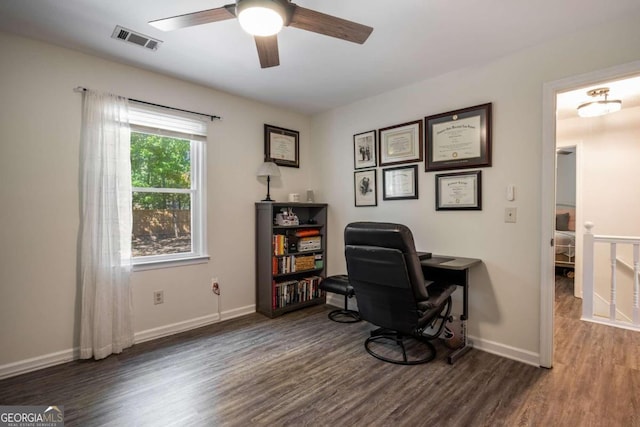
<point>105,259</point>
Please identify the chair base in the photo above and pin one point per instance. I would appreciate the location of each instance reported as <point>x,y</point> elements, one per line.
<point>345,316</point>
<point>437,324</point>
<point>399,341</point>
<point>339,284</point>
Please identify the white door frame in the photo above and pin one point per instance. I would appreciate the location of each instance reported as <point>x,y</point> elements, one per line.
<point>548,195</point>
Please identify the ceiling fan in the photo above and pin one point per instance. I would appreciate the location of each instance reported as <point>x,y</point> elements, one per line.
<point>265,18</point>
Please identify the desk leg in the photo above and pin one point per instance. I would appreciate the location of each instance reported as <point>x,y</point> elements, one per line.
<point>468,345</point>
<point>458,353</point>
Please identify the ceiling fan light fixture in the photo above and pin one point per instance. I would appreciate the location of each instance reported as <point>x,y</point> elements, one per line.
<point>599,108</point>
<point>261,17</point>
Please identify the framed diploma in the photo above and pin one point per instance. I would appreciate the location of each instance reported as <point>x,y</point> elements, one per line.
<point>281,146</point>
<point>400,183</point>
<point>364,187</point>
<point>364,150</point>
<point>459,191</point>
<point>459,139</point>
<point>401,143</point>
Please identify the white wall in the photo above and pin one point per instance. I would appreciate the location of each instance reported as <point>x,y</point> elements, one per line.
<point>39,132</point>
<point>39,181</point>
<point>505,290</point>
<point>610,196</point>
<point>566,179</point>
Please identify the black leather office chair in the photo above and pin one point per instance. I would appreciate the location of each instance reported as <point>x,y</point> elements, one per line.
<point>392,293</point>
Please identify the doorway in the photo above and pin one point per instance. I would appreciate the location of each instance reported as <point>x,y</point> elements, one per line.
<point>548,199</point>
<point>566,212</point>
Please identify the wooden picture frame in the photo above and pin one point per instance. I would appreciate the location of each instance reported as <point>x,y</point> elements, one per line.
<point>281,146</point>
<point>458,139</point>
<point>400,183</point>
<point>364,150</point>
<point>365,189</point>
<point>459,191</point>
<point>400,143</point>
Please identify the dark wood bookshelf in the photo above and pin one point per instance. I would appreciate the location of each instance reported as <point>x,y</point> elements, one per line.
<point>310,216</point>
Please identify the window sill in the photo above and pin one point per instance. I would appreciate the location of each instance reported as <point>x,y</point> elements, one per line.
<point>157,264</point>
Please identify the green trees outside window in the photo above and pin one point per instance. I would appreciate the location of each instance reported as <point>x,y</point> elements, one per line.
<point>161,181</point>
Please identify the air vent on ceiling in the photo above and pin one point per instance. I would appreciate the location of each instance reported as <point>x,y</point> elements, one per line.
<point>121,33</point>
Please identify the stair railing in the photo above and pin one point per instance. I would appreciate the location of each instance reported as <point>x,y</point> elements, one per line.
<point>588,278</point>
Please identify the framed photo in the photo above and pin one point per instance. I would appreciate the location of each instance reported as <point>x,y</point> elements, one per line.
<point>364,150</point>
<point>459,191</point>
<point>401,143</point>
<point>281,146</point>
<point>365,189</point>
<point>459,139</point>
<point>400,183</point>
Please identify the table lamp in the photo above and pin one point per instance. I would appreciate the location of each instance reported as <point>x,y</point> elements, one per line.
<point>268,169</point>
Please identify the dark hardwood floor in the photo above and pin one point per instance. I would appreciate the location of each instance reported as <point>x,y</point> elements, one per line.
<point>303,369</point>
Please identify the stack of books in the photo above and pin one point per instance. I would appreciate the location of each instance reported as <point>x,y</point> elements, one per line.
<point>293,264</point>
<point>309,240</point>
<point>296,291</point>
<point>279,244</point>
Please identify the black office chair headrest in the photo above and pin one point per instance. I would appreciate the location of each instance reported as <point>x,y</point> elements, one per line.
<point>385,234</point>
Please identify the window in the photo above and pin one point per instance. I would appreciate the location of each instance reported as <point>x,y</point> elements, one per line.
<point>167,179</point>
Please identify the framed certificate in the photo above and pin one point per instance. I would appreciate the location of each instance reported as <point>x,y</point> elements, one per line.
<point>459,191</point>
<point>364,188</point>
<point>401,143</point>
<point>459,139</point>
<point>400,183</point>
<point>281,146</point>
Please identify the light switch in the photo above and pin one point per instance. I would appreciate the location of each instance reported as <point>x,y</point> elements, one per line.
<point>511,192</point>
<point>510,214</point>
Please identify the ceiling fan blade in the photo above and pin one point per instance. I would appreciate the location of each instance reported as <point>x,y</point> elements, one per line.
<point>268,51</point>
<point>310,20</point>
<point>196,18</point>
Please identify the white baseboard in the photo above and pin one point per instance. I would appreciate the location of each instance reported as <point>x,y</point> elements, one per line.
<point>242,311</point>
<point>174,328</point>
<point>40,362</point>
<point>513,353</point>
<point>337,300</point>
<point>64,356</point>
<point>47,360</point>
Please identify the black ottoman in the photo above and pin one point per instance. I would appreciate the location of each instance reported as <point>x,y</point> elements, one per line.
<point>339,284</point>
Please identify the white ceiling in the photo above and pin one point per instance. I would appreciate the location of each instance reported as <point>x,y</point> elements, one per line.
<point>412,40</point>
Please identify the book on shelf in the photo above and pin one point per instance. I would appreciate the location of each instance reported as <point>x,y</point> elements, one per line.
<point>279,244</point>
<point>292,292</point>
<point>294,263</point>
<point>308,233</point>
<point>313,243</point>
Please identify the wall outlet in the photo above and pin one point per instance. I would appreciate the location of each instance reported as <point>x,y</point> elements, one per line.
<point>158,297</point>
<point>510,214</point>
<point>215,286</point>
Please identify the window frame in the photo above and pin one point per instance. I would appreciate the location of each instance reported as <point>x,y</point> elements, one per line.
<point>198,253</point>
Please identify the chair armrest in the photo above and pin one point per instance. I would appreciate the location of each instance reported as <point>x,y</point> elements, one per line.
<point>438,294</point>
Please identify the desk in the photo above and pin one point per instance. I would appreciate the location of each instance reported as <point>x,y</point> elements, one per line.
<point>452,270</point>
